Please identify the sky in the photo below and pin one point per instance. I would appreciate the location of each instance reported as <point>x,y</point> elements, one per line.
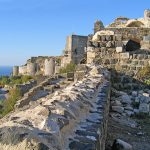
<point>39,27</point>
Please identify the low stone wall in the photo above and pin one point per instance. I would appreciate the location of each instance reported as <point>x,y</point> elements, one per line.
<point>130,32</point>
<point>74,118</point>
<point>92,131</point>
<point>24,88</point>
<point>27,98</point>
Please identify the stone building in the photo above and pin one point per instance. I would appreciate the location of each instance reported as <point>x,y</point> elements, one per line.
<point>75,49</point>
<point>123,47</point>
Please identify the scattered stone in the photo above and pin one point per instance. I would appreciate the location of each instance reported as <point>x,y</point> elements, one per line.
<point>116,103</point>
<point>125,99</point>
<point>137,100</point>
<point>146,94</point>
<point>119,49</point>
<point>144,108</point>
<point>128,108</point>
<point>134,93</point>
<point>121,145</point>
<point>136,111</point>
<point>140,133</point>
<point>118,109</point>
<point>129,113</point>
<point>144,99</point>
<point>94,71</point>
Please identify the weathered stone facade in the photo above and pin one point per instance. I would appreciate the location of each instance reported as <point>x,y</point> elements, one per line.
<point>122,49</point>
<point>74,50</point>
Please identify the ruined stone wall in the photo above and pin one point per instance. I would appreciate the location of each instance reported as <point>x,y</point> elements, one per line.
<point>110,51</point>
<point>131,32</point>
<point>24,88</point>
<point>71,119</point>
<point>124,57</point>
<point>30,92</point>
<point>79,43</point>
<point>40,61</point>
<point>75,49</point>
<point>22,70</point>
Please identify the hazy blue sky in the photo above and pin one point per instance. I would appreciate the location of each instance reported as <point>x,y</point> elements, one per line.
<point>39,27</point>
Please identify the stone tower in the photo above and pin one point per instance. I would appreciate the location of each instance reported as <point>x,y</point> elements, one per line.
<point>15,70</point>
<point>98,25</point>
<point>31,69</point>
<point>147,17</point>
<point>75,49</point>
<point>49,67</point>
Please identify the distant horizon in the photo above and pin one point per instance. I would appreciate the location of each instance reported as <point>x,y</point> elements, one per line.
<point>31,28</point>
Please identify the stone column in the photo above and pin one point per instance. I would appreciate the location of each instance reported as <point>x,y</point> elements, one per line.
<point>31,69</point>
<point>49,67</point>
<point>90,55</point>
<point>145,44</point>
<point>15,70</point>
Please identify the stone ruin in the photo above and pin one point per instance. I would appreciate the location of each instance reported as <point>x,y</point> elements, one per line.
<point>126,46</point>
<point>37,66</point>
<point>123,22</point>
<point>74,53</point>
<point>75,49</point>
<point>76,117</point>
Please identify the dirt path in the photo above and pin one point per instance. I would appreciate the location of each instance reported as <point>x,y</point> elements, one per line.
<point>138,137</point>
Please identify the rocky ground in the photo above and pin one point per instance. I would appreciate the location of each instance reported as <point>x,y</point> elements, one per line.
<point>129,119</point>
<point>138,137</point>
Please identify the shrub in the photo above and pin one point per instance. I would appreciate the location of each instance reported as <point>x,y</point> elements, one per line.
<point>69,68</point>
<point>26,78</point>
<point>8,105</point>
<point>4,80</point>
<point>14,80</point>
<point>147,81</point>
<point>141,115</point>
<point>144,73</point>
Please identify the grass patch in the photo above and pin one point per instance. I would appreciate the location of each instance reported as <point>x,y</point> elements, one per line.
<point>5,80</point>
<point>69,68</point>
<point>8,105</point>
<point>144,73</point>
<point>141,116</point>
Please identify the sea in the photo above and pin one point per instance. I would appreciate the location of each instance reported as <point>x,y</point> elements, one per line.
<point>5,70</point>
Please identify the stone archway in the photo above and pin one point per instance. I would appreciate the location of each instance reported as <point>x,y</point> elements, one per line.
<point>135,23</point>
<point>132,45</point>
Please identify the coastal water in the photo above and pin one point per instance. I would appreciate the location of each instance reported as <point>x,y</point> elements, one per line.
<point>5,70</point>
